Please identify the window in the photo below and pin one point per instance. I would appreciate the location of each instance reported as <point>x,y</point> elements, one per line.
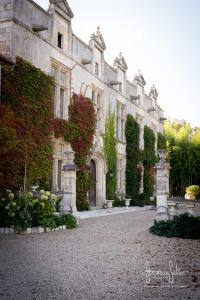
<point>61,149</point>
<point>120,121</point>
<point>60,40</point>
<point>60,90</point>
<point>62,103</point>
<point>120,87</point>
<point>97,100</point>
<point>93,95</point>
<point>96,70</point>
<point>59,175</point>
<point>63,78</point>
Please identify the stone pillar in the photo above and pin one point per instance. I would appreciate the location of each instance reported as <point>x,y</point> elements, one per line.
<point>162,186</point>
<point>68,202</point>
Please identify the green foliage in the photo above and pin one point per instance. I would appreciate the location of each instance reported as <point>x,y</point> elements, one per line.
<point>193,190</point>
<point>26,210</point>
<point>183,226</point>
<point>110,151</point>
<point>54,221</point>
<point>161,142</point>
<point>141,199</point>
<point>25,115</point>
<point>183,148</point>
<point>83,119</point>
<point>149,160</point>
<point>133,157</point>
<point>118,202</point>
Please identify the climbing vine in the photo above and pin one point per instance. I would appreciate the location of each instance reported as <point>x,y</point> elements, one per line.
<point>25,115</point>
<point>149,160</point>
<point>133,156</point>
<point>27,126</point>
<point>110,151</point>
<point>82,119</point>
<point>161,141</point>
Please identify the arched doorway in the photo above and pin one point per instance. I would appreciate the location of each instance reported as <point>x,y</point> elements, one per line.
<point>92,193</point>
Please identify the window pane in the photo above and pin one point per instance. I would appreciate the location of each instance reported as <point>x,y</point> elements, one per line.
<point>98,99</point>
<point>62,103</point>
<point>60,40</point>
<point>59,174</point>
<point>93,96</point>
<point>96,69</point>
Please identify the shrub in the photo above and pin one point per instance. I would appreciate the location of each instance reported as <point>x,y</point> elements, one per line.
<point>27,210</point>
<point>193,190</point>
<point>141,200</point>
<point>110,152</point>
<point>183,226</point>
<point>118,202</point>
<point>133,157</point>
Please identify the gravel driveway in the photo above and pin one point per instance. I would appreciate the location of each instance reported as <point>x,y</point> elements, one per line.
<point>105,258</point>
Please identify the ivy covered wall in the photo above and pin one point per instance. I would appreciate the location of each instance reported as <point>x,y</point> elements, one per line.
<point>25,120</point>
<point>133,157</point>
<point>110,151</point>
<point>149,160</point>
<point>27,126</point>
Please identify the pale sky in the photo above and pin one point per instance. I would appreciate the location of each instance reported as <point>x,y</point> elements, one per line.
<point>159,37</point>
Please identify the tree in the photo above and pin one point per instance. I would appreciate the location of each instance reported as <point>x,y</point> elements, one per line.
<point>110,151</point>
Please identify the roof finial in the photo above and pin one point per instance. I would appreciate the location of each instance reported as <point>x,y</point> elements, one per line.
<point>98,30</point>
<point>120,54</point>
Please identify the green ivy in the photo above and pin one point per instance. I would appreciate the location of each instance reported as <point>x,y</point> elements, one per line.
<point>161,141</point>
<point>149,160</point>
<point>110,151</point>
<point>133,157</point>
<point>26,112</point>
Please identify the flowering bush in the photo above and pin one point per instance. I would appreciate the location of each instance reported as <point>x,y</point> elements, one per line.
<point>26,210</point>
<point>193,190</point>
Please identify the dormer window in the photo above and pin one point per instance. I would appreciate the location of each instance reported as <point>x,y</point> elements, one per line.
<point>60,41</point>
<point>96,70</point>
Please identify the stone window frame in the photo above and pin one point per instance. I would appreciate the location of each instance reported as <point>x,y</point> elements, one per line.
<point>121,162</point>
<point>97,92</point>
<point>120,121</point>
<point>61,76</point>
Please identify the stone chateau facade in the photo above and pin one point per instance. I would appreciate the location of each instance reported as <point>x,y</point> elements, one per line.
<point>46,39</point>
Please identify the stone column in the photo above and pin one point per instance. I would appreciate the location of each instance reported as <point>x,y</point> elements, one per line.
<point>162,186</point>
<point>68,202</point>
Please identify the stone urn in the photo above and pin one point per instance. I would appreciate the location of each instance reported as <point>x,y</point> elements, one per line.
<point>110,203</point>
<point>127,202</point>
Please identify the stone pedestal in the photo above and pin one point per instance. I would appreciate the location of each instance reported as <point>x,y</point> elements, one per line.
<point>68,202</point>
<point>172,210</point>
<point>190,209</point>
<point>162,186</point>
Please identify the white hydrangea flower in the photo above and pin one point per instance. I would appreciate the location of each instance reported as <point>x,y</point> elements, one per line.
<point>48,193</point>
<point>53,197</point>
<point>11,196</point>
<point>44,197</point>
<point>42,192</point>
<point>30,194</point>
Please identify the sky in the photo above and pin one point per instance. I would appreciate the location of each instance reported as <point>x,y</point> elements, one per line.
<point>159,37</point>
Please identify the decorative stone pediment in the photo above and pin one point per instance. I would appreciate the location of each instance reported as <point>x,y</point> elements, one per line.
<point>153,92</point>
<point>62,7</point>
<point>97,39</point>
<point>140,79</point>
<point>120,62</point>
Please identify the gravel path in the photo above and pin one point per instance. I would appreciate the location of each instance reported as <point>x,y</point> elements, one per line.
<point>105,258</point>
